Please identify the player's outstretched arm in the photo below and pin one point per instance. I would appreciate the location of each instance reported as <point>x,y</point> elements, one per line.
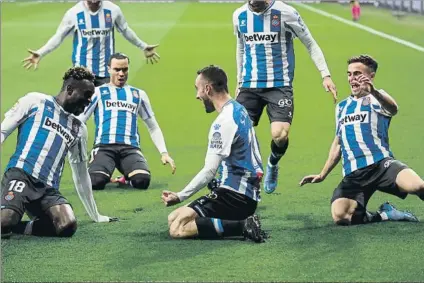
<point>387,102</point>
<point>298,28</point>
<point>131,36</point>
<point>54,42</point>
<point>78,161</point>
<point>199,181</point>
<point>333,159</point>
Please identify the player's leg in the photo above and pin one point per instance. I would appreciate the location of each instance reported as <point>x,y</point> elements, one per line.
<point>280,109</point>
<point>223,213</point>
<point>16,191</point>
<point>134,167</point>
<point>350,199</point>
<point>253,103</point>
<point>52,216</point>
<point>101,166</point>
<point>408,181</point>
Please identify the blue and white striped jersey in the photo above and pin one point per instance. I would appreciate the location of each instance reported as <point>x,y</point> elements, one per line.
<point>362,127</point>
<point>232,135</point>
<point>115,114</point>
<point>93,35</point>
<point>46,132</point>
<point>265,54</point>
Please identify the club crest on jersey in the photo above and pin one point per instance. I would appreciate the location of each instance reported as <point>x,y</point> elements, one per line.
<point>56,127</point>
<point>9,196</point>
<point>366,101</point>
<point>349,119</point>
<point>108,18</point>
<point>275,21</point>
<point>135,93</point>
<point>217,127</point>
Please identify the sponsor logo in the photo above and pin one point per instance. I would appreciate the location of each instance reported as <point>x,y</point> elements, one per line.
<point>242,23</point>
<point>105,91</point>
<point>388,163</point>
<point>285,103</point>
<point>121,105</point>
<point>261,37</point>
<point>54,126</point>
<point>81,22</point>
<point>216,141</point>
<point>216,127</point>
<point>95,32</point>
<point>9,196</point>
<point>362,117</point>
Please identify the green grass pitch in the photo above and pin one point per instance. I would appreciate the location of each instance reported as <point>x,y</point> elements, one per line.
<point>305,245</point>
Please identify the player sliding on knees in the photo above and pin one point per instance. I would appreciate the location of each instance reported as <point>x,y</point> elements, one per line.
<point>362,141</point>
<point>48,131</point>
<point>116,106</point>
<point>92,24</point>
<point>229,209</point>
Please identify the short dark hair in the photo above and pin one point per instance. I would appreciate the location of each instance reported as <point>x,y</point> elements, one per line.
<point>119,56</point>
<point>216,76</point>
<point>366,60</point>
<point>77,74</point>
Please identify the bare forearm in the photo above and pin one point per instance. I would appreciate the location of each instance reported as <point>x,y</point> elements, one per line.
<point>386,101</point>
<point>332,160</point>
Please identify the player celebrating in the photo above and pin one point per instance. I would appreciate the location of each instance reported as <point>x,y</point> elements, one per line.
<point>265,31</point>
<point>362,124</point>
<point>227,210</point>
<point>92,24</point>
<point>115,106</point>
<point>47,131</point>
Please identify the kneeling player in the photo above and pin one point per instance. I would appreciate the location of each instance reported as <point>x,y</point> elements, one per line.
<point>229,209</point>
<point>362,123</point>
<point>47,131</point>
<point>116,106</point>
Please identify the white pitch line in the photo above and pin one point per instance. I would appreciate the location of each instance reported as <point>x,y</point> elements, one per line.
<point>363,27</point>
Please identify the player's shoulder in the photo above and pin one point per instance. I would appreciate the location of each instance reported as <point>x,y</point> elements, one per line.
<point>137,91</point>
<point>36,97</point>
<point>229,113</point>
<point>240,10</point>
<point>343,102</point>
<point>284,8</point>
<point>110,6</point>
<point>78,7</point>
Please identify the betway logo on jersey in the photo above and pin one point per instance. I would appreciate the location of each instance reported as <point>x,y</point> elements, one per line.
<point>361,117</point>
<point>121,105</point>
<point>261,37</point>
<point>95,32</point>
<point>54,126</point>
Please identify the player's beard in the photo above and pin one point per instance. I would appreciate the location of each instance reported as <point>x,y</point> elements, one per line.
<point>208,105</point>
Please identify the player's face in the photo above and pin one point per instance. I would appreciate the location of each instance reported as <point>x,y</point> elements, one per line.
<point>258,5</point>
<point>93,5</point>
<point>78,97</point>
<point>203,90</point>
<point>118,71</point>
<point>353,71</point>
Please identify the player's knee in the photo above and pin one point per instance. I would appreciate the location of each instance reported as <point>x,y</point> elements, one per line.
<point>171,217</point>
<point>140,181</point>
<point>9,218</point>
<point>279,136</point>
<point>99,181</point>
<point>176,230</point>
<point>67,229</point>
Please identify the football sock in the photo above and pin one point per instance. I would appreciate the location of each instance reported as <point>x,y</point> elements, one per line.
<point>217,228</point>
<point>365,217</point>
<point>277,152</point>
<point>39,227</point>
